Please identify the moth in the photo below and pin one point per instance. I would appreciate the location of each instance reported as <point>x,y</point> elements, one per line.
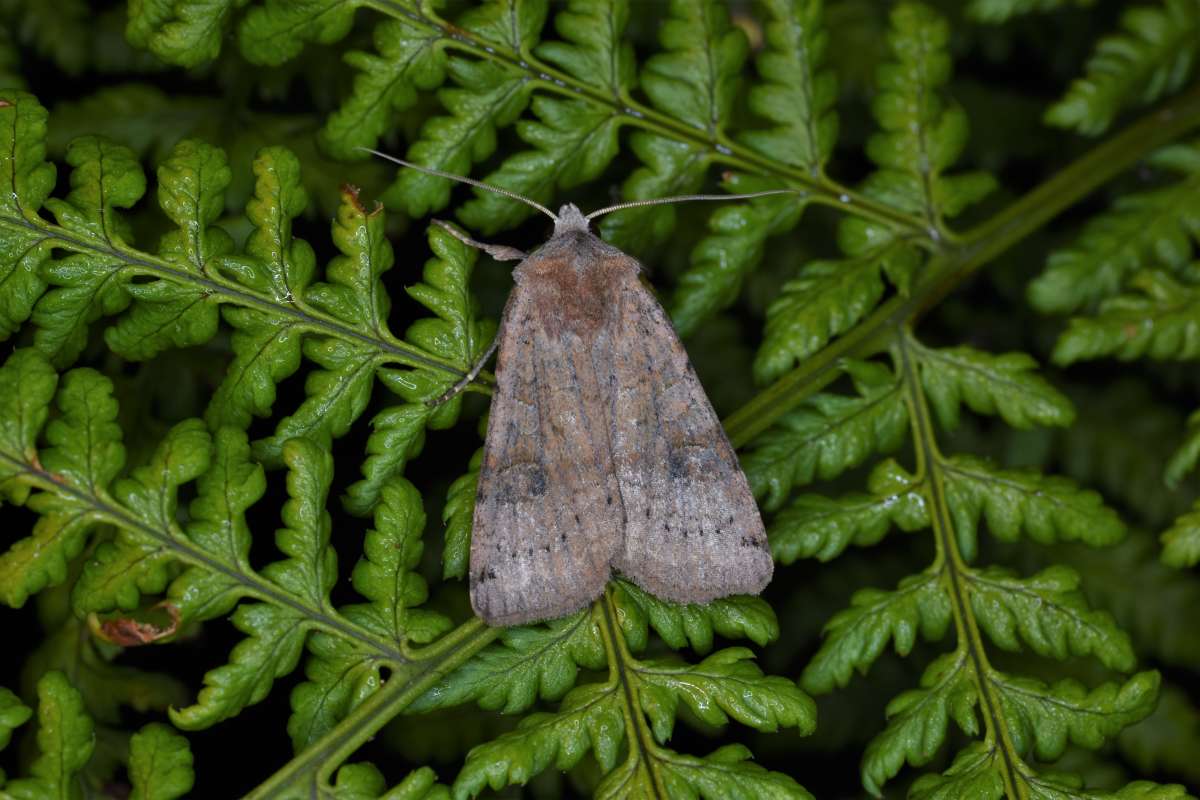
<point>603,454</point>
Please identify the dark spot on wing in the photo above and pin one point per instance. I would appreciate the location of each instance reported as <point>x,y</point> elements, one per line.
<point>537,482</point>
<point>677,465</point>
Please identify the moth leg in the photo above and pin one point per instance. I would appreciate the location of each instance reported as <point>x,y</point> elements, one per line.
<point>499,252</point>
<point>471,375</point>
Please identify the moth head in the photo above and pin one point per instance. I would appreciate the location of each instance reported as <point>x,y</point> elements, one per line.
<point>570,218</point>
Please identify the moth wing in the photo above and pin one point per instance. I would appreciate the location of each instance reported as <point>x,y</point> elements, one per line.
<point>693,532</point>
<point>547,512</point>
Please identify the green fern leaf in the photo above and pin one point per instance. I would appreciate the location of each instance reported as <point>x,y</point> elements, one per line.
<point>593,49</point>
<point>1152,57</point>
<point>459,516</point>
<point>1181,542</point>
<point>1183,461</point>
<point>454,335</point>
<point>997,11</point>
<point>797,93</point>
<point>184,34</point>
<point>27,384</point>
<point>166,313</point>
<point>26,180</point>
<point>975,773</point>
<point>697,76</point>
<point>355,295</point>
<point>341,675</point>
<point>988,384</point>
<point>816,526</point>
<point>827,435</point>
<point>266,346</point>
<point>386,575</point>
<point>589,718</point>
<point>338,392</point>
<point>62,33</point>
<point>486,97</point>
<point>1043,719</point>
<point>1166,742</point>
<point>411,57</point>
<point>527,663</point>
<point>160,764</point>
<point>678,625</point>
<point>276,30</point>
<point>855,637</point>
<point>1049,614</point>
<point>1143,229</point>
<point>573,140</point>
<point>826,300</point>
<point>276,633</point>
<point>668,168</point>
<point>13,714</point>
<point>726,684</point>
<point>1159,322</point>
<point>695,80</point>
<point>921,136</point>
<point>720,262</point>
<point>919,719</point>
<point>84,455</point>
<point>105,177</point>
<point>65,739</point>
<point>726,772</point>
<point>217,525</point>
<point>124,568</point>
<point>364,781</point>
<point>1045,508</point>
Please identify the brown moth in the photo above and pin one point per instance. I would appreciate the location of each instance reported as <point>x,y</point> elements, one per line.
<point>603,452</point>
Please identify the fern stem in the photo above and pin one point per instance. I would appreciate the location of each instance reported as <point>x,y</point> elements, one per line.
<point>953,568</point>
<point>255,586</point>
<point>641,740</point>
<point>967,253</point>
<point>721,148</point>
<point>233,294</point>
<point>309,772</point>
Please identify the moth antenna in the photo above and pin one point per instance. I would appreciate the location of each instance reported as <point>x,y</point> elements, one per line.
<point>683,198</point>
<point>463,179</point>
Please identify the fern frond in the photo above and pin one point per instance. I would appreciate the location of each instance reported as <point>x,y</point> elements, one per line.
<point>815,526</point>
<point>1181,542</point>
<point>797,94</point>
<point>995,11</point>
<point>1153,56</point>
<point>187,34</point>
<point>855,637</point>
<point>1143,229</point>
<point>828,435</point>
<point>159,760</point>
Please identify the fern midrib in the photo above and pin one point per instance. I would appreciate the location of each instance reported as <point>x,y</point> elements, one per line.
<point>316,322</point>
<point>961,256</point>
<point>313,766</point>
<point>722,148</point>
<point>256,587</point>
<point>635,723</point>
<point>954,569</point>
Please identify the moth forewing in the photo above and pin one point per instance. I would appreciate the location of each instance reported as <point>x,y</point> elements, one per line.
<point>602,449</point>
